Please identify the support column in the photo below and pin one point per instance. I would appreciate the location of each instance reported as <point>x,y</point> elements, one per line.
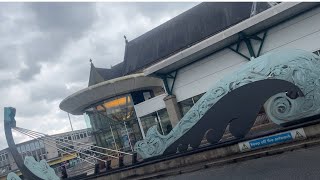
<point>172,109</point>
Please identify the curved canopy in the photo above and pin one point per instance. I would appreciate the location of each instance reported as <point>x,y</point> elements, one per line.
<point>79,101</point>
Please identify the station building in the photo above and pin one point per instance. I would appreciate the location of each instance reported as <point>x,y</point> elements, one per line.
<point>166,70</point>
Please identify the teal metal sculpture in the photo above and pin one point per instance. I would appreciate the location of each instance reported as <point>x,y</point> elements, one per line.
<point>298,67</point>
<point>30,168</point>
<point>40,169</point>
<point>13,176</point>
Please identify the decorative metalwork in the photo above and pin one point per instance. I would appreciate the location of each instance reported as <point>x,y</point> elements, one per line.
<point>40,169</point>
<point>13,176</point>
<point>285,73</point>
<point>30,168</point>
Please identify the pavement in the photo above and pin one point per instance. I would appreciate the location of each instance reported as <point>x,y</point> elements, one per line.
<point>294,165</point>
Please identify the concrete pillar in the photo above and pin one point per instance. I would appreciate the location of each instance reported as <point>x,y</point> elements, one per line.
<point>173,109</point>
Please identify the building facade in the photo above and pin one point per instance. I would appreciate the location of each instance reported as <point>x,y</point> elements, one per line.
<point>166,70</point>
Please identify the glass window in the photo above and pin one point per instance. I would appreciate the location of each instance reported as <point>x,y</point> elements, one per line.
<point>77,136</point>
<point>148,121</point>
<point>185,105</point>
<point>32,147</point>
<point>81,136</point>
<point>197,97</point>
<point>27,147</point>
<point>1,158</point>
<point>69,137</point>
<point>7,156</point>
<point>19,150</point>
<point>112,114</point>
<point>41,144</point>
<point>43,151</point>
<point>147,95</point>
<point>23,148</point>
<point>165,121</point>
<point>37,145</point>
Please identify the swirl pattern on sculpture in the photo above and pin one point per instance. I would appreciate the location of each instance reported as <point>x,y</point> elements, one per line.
<point>299,67</point>
<point>40,169</point>
<point>13,176</point>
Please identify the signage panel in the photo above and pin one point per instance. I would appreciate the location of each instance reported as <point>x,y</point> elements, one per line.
<point>272,140</point>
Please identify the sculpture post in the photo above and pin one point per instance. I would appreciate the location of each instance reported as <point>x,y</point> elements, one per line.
<point>10,122</point>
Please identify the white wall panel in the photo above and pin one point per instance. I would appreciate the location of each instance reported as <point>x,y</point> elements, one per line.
<point>302,32</point>
<point>150,105</point>
<point>202,75</point>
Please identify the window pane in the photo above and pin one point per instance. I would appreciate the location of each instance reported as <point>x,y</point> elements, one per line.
<point>148,121</point>
<point>165,121</point>
<point>196,98</point>
<point>32,147</point>
<point>41,144</point>
<point>27,147</point>
<point>185,106</point>
<point>37,145</point>
<point>23,148</point>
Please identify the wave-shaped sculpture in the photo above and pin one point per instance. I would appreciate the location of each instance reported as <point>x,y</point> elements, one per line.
<point>40,169</point>
<point>13,176</point>
<point>286,82</point>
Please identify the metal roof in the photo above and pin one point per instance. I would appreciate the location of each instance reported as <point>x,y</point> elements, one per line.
<point>259,22</point>
<point>186,29</point>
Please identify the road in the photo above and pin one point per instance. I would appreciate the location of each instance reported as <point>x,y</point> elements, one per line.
<point>299,164</point>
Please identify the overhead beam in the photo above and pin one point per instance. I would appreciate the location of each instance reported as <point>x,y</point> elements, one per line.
<point>165,78</point>
<point>247,39</point>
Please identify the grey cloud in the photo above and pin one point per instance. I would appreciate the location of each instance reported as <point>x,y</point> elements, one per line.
<point>58,24</point>
<point>8,57</point>
<point>49,92</point>
<point>70,18</point>
<point>34,34</point>
<point>27,73</point>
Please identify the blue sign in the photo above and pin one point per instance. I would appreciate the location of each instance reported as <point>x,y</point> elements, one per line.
<point>270,140</point>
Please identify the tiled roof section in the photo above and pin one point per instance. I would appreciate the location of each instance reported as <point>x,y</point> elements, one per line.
<point>95,76</point>
<point>186,29</point>
<point>98,75</point>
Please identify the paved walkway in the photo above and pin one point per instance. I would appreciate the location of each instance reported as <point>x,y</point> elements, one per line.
<point>299,164</point>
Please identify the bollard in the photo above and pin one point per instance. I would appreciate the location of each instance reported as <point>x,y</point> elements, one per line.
<point>108,165</point>
<point>134,158</point>
<point>121,161</point>
<point>96,168</point>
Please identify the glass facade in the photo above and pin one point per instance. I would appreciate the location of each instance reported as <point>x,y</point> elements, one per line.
<point>159,118</point>
<point>114,122</point>
<point>187,104</point>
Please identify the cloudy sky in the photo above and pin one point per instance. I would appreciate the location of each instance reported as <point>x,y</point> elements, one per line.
<point>45,50</point>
